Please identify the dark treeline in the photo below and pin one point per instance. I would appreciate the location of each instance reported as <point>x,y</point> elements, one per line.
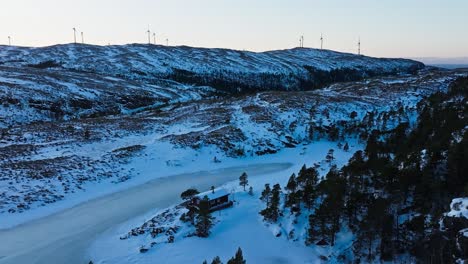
<point>242,82</point>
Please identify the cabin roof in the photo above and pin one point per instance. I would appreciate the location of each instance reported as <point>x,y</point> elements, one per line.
<point>216,194</point>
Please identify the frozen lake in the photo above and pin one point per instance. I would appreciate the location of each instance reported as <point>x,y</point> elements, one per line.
<point>64,237</point>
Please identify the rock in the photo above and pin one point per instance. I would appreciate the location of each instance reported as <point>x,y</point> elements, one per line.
<point>143,249</point>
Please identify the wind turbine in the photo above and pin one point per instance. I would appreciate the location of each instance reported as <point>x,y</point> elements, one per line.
<point>301,41</point>
<point>74,34</point>
<point>9,41</point>
<point>154,38</point>
<point>167,42</point>
<point>359,46</point>
<point>82,37</point>
<point>321,41</point>
<point>149,35</point>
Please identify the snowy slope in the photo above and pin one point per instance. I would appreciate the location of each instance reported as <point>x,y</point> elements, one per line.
<point>292,69</point>
<point>30,94</point>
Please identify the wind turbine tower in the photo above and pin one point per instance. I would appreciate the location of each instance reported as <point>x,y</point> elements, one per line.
<point>82,37</point>
<point>74,35</point>
<point>154,38</point>
<point>149,35</point>
<point>167,42</point>
<point>359,46</point>
<point>301,41</point>
<point>321,41</point>
<point>9,41</point>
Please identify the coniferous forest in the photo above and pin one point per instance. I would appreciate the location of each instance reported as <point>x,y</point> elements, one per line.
<point>392,195</point>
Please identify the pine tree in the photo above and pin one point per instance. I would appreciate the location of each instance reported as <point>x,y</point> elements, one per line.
<point>189,194</point>
<point>271,212</point>
<point>329,158</point>
<point>291,187</point>
<point>251,191</point>
<point>204,220</point>
<point>243,180</point>
<point>302,175</point>
<point>346,147</point>
<point>318,225</point>
<point>216,260</point>
<point>292,184</point>
<point>266,193</point>
<point>309,194</point>
<point>238,259</point>
<point>308,181</point>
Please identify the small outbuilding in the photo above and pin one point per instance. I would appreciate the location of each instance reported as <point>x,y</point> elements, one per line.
<point>218,200</point>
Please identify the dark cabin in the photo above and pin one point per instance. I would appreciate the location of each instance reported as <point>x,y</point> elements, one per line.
<point>218,200</point>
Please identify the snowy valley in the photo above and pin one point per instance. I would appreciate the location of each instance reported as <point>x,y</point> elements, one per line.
<point>82,125</point>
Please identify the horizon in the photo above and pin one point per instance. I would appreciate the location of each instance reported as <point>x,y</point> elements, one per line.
<point>397,29</point>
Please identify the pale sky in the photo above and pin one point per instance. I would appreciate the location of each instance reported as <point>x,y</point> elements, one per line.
<point>388,28</point>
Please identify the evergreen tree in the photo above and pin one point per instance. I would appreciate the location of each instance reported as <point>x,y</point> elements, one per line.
<point>292,184</point>
<point>238,258</point>
<point>266,194</point>
<point>329,157</point>
<point>216,260</point>
<point>251,191</point>
<point>318,225</point>
<point>243,181</point>
<point>308,180</point>
<point>271,212</point>
<point>302,175</point>
<point>309,194</point>
<point>204,220</point>
<point>189,194</point>
<point>291,187</point>
<point>307,175</point>
<point>346,147</point>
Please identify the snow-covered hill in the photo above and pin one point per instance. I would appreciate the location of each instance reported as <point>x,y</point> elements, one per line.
<point>73,81</point>
<point>233,70</point>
